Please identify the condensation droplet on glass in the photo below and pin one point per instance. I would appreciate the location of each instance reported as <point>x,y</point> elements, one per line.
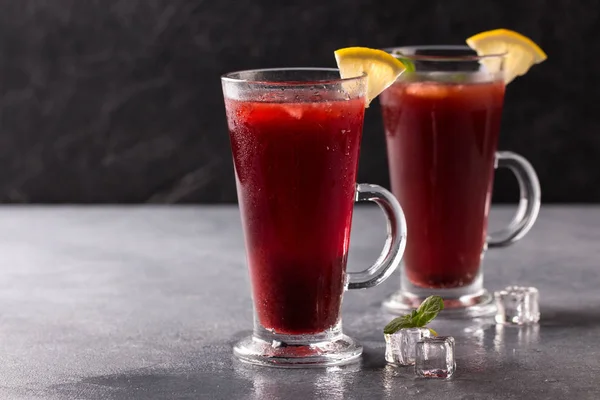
<point>327,147</point>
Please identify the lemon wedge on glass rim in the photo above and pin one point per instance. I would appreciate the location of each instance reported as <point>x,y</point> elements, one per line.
<point>521,52</point>
<point>382,68</point>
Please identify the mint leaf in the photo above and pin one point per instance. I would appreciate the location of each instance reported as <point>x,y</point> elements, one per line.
<point>408,64</point>
<point>428,310</point>
<point>396,324</point>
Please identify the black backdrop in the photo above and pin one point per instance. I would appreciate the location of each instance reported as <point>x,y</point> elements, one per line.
<point>120,100</point>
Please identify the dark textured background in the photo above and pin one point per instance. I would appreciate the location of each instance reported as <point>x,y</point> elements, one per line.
<point>120,100</point>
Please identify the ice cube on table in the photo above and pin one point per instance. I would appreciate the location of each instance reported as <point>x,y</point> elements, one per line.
<point>400,347</point>
<point>435,357</point>
<point>517,305</point>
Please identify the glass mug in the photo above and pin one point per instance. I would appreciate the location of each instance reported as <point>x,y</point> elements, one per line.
<point>442,120</point>
<point>295,138</point>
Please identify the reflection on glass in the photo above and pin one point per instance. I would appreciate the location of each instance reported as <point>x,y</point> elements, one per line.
<point>269,384</point>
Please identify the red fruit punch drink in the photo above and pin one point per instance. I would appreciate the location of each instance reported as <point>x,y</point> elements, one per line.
<point>295,166</point>
<point>441,143</point>
<point>442,120</point>
<point>295,138</point>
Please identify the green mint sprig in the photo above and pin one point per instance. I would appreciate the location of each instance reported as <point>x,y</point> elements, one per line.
<point>408,64</point>
<point>427,311</point>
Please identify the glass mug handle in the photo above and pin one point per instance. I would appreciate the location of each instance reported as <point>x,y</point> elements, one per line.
<point>395,242</point>
<point>529,203</point>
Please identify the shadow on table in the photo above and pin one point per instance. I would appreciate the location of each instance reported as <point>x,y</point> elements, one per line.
<point>588,317</point>
<point>152,384</point>
<point>487,353</point>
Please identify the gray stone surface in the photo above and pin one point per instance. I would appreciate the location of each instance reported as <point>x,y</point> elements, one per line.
<point>144,303</point>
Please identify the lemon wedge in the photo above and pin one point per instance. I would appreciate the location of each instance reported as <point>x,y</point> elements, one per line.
<point>521,52</point>
<point>382,68</point>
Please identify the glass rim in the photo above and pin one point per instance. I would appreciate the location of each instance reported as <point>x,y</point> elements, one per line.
<point>228,77</point>
<point>442,58</point>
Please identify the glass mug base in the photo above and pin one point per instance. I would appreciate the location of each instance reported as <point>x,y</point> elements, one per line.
<point>471,301</point>
<point>326,349</point>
